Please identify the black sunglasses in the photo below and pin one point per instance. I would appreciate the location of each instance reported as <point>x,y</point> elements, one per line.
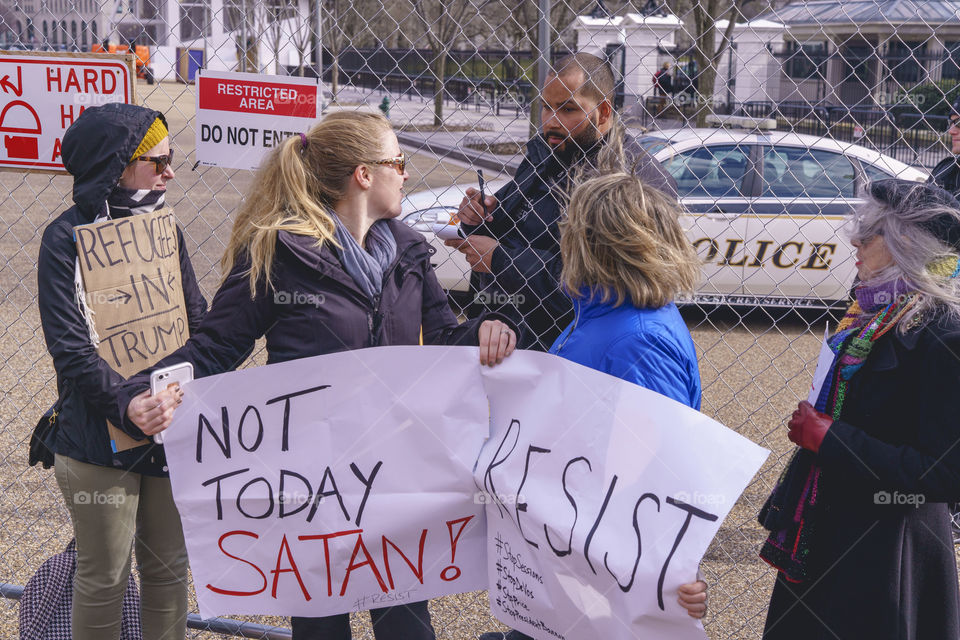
<point>160,162</point>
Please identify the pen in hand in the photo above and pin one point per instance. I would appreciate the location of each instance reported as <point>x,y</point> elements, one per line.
<point>483,196</point>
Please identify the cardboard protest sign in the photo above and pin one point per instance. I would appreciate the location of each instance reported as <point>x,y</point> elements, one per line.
<point>330,484</point>
<point>131,277</point>
<point>42,93</point>
<point>605,496</point>
<point>242,116</point>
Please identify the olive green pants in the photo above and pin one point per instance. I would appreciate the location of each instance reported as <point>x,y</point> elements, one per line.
<point>111,510</point>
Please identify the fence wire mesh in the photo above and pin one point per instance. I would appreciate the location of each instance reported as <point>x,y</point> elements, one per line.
<point>818,98</point>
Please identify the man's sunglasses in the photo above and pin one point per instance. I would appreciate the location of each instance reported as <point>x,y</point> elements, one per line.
<point>160,162</point>
<point>952,122</point>
<point>399,163</point>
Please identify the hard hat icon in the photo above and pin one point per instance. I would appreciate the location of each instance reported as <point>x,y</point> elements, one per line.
<point>20,117</point>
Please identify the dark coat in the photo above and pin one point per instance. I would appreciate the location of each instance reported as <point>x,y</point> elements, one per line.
<point>525,280</point>
<point>946,175</point>
<point>96,149</point>
<point>883,570</point>
<point>314,307</point>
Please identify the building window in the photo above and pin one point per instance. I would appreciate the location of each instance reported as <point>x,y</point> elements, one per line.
<point>46,32</point>
<point>93,31</point>
<point>806,61</point>
<point>232,15</point>
<point>859,67</point>
<point>194,19</point>
<point>83,33</point>
<point>904,60</point>
<point>30,33</point>
<point>951,60</point>
<point>150,9</point>
<point>73,32</point>
<point>235,10</point>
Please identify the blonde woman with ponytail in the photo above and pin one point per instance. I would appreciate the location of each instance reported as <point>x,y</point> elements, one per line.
<point>317,263</point>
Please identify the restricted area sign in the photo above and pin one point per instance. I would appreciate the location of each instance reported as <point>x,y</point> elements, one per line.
<point>242,116</point>
<point>42,93</point>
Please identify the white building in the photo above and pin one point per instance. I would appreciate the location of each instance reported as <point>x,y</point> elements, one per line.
<point>278,31</point>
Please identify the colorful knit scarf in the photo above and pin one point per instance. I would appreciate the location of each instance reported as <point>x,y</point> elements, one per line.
<point>790,511</point>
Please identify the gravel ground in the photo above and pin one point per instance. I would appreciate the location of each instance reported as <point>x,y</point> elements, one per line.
<point>754,369</point>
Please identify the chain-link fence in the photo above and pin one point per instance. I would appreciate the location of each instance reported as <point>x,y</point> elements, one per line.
<point>772,117</point>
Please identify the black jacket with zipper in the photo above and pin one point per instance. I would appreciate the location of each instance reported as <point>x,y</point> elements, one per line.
<point>314,307</point>
<point>96,149</point>
<point>526,265</point>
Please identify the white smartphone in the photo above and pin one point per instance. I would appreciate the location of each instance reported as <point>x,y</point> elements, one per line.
<point>175,374</point>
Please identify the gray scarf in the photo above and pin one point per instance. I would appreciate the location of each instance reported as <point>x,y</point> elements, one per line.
<point>367,267</point>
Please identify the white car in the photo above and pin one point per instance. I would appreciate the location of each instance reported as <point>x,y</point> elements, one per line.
<point>434,213</point>
<point>766,212</point>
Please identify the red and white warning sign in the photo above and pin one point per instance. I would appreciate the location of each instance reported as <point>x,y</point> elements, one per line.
<point>242,116</point>
<point>42,93</point>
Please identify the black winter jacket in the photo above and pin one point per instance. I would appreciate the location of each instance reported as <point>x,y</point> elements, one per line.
<point>882,544</point>
<point>314,307</point>
<point>525,279</point>
<point>96,149</point>
<point>946,175</point>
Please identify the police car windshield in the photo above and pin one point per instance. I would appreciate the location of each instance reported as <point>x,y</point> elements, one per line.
<point>651,144</point>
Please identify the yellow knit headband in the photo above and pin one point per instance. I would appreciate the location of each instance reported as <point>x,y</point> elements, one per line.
<point>156,133</point>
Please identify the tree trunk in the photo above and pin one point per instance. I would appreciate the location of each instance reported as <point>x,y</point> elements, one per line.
<point>439,70</point>
<point>335,77</point>
<point>706,75</point>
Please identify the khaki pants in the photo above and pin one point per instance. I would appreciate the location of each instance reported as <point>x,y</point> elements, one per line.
<point>111,510</point>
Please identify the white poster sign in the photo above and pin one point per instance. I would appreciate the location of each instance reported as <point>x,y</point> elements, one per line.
<point>242,116</point>
<point>350,481</point>
<point>606,498</point>
<point>42,94</point>
<point>332,484</point>
<point>824,362</point>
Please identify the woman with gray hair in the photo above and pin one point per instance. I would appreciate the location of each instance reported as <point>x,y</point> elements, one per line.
<point>859,525</point>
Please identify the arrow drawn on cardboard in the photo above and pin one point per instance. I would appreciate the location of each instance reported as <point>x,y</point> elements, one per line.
<point>123,297</point>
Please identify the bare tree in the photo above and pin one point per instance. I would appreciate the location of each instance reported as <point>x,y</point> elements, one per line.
<point>707,51</point>
<point>443,24</point>
<point>342,23</point>
<point>273,14</point>
<point>301,35</point>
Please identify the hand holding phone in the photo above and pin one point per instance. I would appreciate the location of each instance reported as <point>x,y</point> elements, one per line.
<point>172,376</point>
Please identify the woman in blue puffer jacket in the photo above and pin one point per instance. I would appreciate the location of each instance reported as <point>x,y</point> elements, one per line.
<point>625,259</point>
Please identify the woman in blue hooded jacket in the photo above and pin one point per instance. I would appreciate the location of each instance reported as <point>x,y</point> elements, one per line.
<point>625,259</point>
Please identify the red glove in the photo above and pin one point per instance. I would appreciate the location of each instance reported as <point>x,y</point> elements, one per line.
<point>808,427</point>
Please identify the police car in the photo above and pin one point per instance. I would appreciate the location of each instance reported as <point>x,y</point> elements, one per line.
<point>767,212</point>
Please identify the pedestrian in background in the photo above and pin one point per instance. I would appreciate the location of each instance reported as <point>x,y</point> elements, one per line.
<point>946,174</point>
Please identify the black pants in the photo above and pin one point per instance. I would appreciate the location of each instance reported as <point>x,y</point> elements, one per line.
<point>403,622</point>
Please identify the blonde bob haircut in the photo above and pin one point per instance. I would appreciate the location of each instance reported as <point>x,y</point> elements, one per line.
<point>297,185</point>
<point>622,239</point>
